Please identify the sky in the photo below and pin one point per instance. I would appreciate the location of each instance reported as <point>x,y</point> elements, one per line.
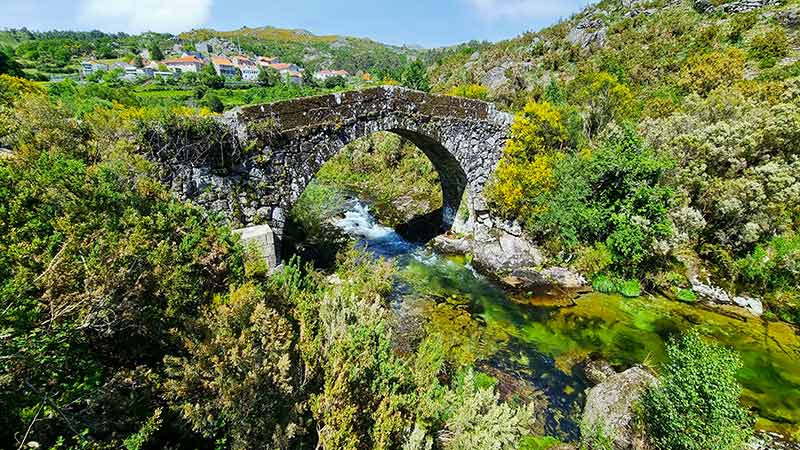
<point>429,23</point>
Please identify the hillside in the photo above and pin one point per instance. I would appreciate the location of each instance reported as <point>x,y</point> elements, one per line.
<point>644,43</point>
<point>54,52</point>
<point>655,140</point>
<point>303,47</point>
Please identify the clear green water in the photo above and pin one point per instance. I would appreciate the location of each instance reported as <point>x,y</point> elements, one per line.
<point>543,345</point>
<point>534,343</point>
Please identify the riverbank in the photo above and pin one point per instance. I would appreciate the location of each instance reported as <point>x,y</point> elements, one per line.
<point>536,341</point>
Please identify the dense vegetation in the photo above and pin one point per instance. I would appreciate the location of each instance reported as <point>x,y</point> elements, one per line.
<point>660,162</point>
<point>695,406</point>
<point>130,319</point>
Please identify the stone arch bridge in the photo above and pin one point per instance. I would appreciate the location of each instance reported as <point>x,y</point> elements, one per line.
<point>278,148</point>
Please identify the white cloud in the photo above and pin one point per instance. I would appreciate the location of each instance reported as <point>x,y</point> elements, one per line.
<point>524,8</point>
<point>135,16</point>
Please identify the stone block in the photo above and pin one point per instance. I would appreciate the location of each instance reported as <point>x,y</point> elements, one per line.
<point>261,239</point>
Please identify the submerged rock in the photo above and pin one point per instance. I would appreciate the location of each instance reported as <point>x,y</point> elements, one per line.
<point>598,371</point>
<point>711,293</point>
<point>770,441</point>
<point>532,278</point>
<point>610,407</point>
<point>718,296</point>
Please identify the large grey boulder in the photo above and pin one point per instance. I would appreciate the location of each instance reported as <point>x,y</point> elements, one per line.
<point>261,239</point>
<point>610,406</point>
<point>753,305</point>
<point>505,253</point>
<point>790,18</point>
<point>589,31</point>
<point>525,278</point>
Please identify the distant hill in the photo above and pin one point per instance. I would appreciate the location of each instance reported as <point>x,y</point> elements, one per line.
<point>307,49</point>
<point>60,51</point>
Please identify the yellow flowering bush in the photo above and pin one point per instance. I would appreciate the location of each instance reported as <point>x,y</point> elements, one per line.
<point>526,170</point>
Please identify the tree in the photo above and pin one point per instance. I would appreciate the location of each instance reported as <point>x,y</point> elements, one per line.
<point>415,76</point>
<point>335,81</point>
<point>214,103</point>
<point>138,61</point>
<point>308,77</point>
<point>696,405</point>
<point>268,77</point>
<point>8,65</point>
<point>155,52</point>
<point>209,78</point>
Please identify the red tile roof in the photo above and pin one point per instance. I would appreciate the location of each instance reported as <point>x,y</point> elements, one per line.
<point>221,61</point>
<point>184,60</point>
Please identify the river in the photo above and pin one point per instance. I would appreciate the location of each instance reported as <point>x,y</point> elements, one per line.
<point>534,343</point>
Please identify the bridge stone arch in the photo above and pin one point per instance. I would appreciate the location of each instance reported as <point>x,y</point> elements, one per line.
<point>282,145</point>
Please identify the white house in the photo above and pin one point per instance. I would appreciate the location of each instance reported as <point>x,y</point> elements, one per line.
<point>248,68</point>
<point>224,67</point>
<point>89,67</point>
<point>323,75</point>
<point>284,68</point>
<point>184,64</point>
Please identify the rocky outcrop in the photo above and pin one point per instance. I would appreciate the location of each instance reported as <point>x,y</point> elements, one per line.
<point>509,259</point>
<point>790,18</point>
<point>718,296</point>
<point>735,7</point>
<point>589,31</point>
<point>610,406</point>
<point>505,253</point>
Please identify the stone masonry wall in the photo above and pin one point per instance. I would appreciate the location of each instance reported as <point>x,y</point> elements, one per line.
<point>281,146</point>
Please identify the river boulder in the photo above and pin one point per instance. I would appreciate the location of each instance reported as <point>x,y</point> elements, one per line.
<point>610,406</point>
<point>506,252</point>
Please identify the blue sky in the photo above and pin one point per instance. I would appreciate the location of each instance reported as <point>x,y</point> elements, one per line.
<point>423,22</point>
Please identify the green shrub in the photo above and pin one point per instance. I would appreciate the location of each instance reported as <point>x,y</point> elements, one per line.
<point>696,404</point>
<point>704,73</point>
<point>602,283</point>
<point>630,288</point>
<point>686,295</point>
<point>769,47</point>
<point>593,260</point>
<point>538,443</point>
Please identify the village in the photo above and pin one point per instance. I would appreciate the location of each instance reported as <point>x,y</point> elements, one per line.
<point>238,67</point>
